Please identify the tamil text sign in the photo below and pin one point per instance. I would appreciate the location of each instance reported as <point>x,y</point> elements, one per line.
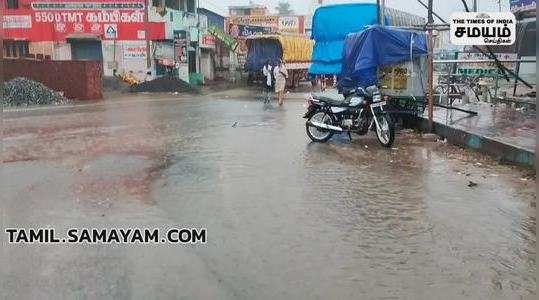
<point>264,21</point>
<point>134,51</point>
<point>59,20</point>
<point>17,21</point>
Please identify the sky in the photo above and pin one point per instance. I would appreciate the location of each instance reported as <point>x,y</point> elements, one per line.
<point>443,7</point>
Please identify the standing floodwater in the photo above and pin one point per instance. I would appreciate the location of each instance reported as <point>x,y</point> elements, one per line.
<point>286,218</point>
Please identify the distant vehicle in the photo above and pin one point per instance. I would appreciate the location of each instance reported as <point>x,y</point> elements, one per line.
<point>332,23</point>
<point>296,51</point>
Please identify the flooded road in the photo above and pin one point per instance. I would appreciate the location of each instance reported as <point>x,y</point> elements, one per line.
<point>286,218</point>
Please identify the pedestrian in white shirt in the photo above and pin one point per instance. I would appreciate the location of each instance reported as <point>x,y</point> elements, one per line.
<point>267,70</point>
<point>281,74</point>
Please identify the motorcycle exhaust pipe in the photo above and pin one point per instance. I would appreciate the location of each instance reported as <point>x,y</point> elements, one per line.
<point>325,126</point>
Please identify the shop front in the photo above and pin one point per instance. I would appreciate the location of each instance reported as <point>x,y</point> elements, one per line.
<point>112,31</point>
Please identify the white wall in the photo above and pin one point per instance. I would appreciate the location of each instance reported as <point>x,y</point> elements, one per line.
<point>116,55</point>
<point>62,51</point>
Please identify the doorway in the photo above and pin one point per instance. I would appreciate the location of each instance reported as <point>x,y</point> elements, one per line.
<point>86,49</point>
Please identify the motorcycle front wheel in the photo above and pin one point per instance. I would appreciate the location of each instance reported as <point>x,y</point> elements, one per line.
<point>316,134</point>
<point>385,132</point>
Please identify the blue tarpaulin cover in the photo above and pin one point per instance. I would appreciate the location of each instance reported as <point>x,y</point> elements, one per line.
<point>331,25</point>
<point>261,50</point>
<point>378,46</point>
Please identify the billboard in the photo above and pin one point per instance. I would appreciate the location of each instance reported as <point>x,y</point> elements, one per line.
<point>282,24</point>
<point>249,30</point>
<point>518,6</point>
<point>483,69</point>
<point>292,24</point>
<point>59,20</point>
<point>264,21</point>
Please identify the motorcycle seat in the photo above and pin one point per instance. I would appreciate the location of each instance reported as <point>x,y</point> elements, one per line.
<point>331,99</point>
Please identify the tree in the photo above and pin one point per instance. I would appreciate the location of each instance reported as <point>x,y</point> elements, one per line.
<point>283,9</point>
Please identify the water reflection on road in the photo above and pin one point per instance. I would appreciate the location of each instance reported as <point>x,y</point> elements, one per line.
<point>286,218</point>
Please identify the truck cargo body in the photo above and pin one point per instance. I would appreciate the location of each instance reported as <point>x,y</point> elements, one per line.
<point>332,23</point>
<point>295,51</point>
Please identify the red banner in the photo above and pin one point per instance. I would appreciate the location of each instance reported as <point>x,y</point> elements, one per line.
<point>56,20</point>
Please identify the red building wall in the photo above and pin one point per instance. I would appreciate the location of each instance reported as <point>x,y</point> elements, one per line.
<point>56,20</point>
<point>81,80</point>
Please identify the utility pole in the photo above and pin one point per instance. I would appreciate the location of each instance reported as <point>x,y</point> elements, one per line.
<point>430,67</point>
<point>383,12</point>
<point>147,35</point>
<point>378,12</point>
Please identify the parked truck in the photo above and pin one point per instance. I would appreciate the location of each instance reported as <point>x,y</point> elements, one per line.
<point>296,51</point>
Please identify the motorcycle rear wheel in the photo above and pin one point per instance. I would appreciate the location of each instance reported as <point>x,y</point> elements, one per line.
<point>319,135</point>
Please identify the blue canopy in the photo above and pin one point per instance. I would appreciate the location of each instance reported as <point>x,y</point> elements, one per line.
<point>334,22</point>
<point>378,46</point>
<point>331,25</point>
<point>262,50</point>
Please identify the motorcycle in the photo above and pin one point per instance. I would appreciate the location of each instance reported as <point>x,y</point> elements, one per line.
<point>357,110</point>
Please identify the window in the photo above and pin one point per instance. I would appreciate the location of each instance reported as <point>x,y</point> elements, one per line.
<point>191,6</point>
<point>22,49</point>
<point>12,4</point>
<point>173,4</point>
<point>13,49</point>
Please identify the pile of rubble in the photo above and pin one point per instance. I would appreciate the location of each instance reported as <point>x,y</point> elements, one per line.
<point>22,91</point>
<point>164,84</point>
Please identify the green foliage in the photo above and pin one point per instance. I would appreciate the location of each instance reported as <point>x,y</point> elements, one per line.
<point>283,8</point>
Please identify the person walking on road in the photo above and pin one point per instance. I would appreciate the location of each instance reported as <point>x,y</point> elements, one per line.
<point>267,70</point>
<point>281,74</point>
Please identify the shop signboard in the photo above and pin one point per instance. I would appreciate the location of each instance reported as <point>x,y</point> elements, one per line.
<point>483,69</point>
<point>180,46</point>
<point>289,24</point>
<point>249,30</point>
<point>207,41</point>
<point>264,21</point>
<point>134,51</point>
<point>17,21</point>
<point>58,20</point>
<point>518,6</point>
<point>250,25</point>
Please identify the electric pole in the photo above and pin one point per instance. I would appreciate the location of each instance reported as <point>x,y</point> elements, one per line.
<point>378,12</point>
<point>147,35</point>
<point>383,12</point>
<point>430,66</point>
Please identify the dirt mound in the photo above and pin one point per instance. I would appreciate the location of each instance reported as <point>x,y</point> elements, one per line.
<point>114,84</point>
<point>22,91</point>
<point>164,84</point>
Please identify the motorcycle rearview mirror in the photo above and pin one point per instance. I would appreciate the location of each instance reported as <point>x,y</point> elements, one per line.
<point>361,91</point>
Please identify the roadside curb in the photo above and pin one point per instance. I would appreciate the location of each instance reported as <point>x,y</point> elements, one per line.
<point>503,152</point>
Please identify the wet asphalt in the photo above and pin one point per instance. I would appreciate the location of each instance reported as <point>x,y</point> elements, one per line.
<point>286,218</point>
